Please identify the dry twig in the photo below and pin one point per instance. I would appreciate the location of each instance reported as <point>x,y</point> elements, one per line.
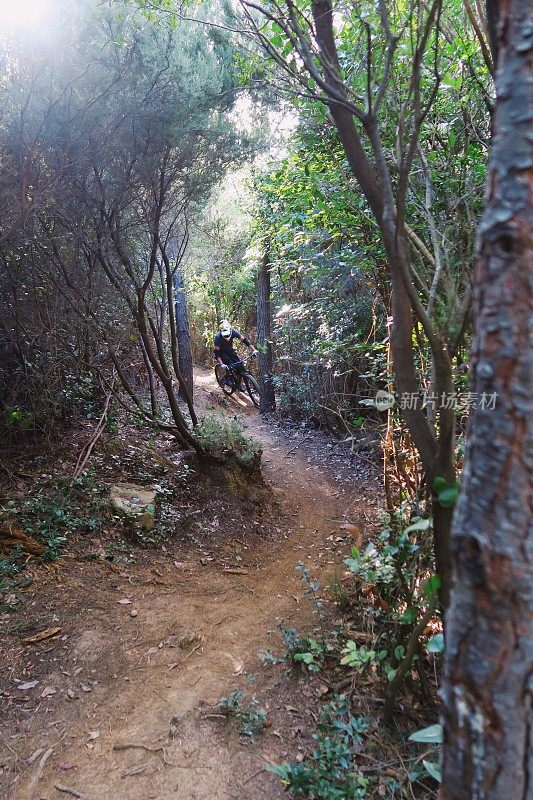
<point>68,790</point>
<point>88,448</point>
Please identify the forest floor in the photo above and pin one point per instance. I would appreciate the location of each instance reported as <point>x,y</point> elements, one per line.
<point>119,701</point>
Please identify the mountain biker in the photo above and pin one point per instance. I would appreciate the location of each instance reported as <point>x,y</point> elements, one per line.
<point>223,350</point>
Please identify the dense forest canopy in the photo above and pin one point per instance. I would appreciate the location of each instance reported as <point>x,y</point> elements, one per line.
<point>111,147</point>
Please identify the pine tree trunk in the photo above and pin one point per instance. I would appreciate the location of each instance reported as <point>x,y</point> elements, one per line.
<point>264,337</point>
<point>488,752</point>
<point>183,334</point>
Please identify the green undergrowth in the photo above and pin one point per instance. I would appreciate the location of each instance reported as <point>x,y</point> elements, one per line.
<point>50,515</point>
<point>10,566</point>
<point>250,716</point>
<point>330,771</point>
<point>225,441</point>
<point>53,515</point>
<point>376,646</point>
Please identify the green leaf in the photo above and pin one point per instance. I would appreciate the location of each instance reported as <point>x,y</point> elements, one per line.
<point>281,770</point>
<point>432,585</point>
<point>448,496</point>
<point>353,564</point>
<point>307,658</point>
<point>419,525</point>
<point>409,615</point>
<point>434,769</point>
<point>399,652</point>
<point>435,644</point>
<point>439,484</point>
<point>431,735</point>
<point>447,493</point>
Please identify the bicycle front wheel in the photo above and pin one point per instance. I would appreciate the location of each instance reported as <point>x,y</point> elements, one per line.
<point>221,375</point>
<point>252,387</point>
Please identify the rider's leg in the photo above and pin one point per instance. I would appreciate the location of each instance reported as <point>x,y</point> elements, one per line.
<point>240,370</point>
<point>228,360</point>
<point>233,359</point>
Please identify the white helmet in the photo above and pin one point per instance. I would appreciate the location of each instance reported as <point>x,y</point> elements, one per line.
<point>225,329</point>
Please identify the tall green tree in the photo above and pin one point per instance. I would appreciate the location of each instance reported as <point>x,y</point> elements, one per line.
<point>378,71</point>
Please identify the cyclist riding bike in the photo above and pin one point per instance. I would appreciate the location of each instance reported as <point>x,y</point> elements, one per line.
<point>225,355</point>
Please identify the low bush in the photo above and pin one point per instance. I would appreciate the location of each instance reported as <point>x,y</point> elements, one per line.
<point>225,441</point>
<point>50,517</point>
<point>329,772</point>
<point>250,716</point>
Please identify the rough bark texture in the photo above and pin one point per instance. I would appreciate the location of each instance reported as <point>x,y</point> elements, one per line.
<point>488,752</point>
<point>183,334</point>
<point>264,337</point>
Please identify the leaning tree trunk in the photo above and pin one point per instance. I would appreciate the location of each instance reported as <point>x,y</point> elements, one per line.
<point>183,333</point>
<point>264,336</point>
<point>488,750</point>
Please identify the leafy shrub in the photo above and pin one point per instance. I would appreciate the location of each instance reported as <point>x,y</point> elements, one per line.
<point>431,735</point>
<point>395,566</point>
<point>299,650</point>
<point>80,393</point>
<point>398,566</point>
<point>398,588</point>
<point>310,649</point>
<point>17,418</point>
<point>223,440</point>
<point>251,716</point>
<point>9,567</point>
<point>360,657</point>
<point>49,518</point>
<point>329,772</point>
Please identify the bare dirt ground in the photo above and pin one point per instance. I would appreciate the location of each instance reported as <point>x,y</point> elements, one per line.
<point>124,707</point>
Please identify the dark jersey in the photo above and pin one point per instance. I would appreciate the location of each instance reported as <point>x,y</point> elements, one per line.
<point>226,345</point>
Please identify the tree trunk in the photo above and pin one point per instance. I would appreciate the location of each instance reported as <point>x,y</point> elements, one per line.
<point>493,17</point>
<point>264,336</point>
<point>183,334</point>
<point>154,405</point>
<point>487,690</point>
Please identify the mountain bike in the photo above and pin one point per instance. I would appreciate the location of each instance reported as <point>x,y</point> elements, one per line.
<point>231,380</point>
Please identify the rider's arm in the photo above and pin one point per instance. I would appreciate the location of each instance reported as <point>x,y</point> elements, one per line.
<point>244,340</point>
<point>216,353</point>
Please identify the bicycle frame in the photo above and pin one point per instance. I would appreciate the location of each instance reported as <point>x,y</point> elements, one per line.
<point>242,362</point>
<point>235,379</point>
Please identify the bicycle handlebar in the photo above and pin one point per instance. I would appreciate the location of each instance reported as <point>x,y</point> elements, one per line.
<point>242,361</point>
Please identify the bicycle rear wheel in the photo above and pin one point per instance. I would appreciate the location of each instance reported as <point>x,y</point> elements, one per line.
<point>252,387</point>
<point>221,375</point>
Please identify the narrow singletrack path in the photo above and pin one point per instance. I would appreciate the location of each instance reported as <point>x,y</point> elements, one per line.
<point>144,724</point>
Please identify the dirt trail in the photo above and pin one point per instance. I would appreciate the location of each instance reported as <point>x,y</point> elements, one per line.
<point>153,679</point>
